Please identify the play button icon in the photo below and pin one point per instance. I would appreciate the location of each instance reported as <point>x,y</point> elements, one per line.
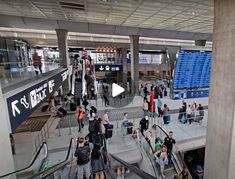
<point>116,90</point>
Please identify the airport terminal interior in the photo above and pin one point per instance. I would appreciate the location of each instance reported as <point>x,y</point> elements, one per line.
<point>114,89</point>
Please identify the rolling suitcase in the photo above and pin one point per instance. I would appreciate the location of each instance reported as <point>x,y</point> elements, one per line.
<point>73,107</point>
<point>166,119</point>
<point>109,131</point>
<point>61,111</point>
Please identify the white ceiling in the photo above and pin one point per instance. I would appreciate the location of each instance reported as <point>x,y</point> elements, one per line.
<point>177,15</point>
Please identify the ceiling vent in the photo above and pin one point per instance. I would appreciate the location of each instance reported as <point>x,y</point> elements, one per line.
<point>73,6</point>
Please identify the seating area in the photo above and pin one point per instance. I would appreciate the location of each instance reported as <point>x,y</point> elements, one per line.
<point>193,70</point>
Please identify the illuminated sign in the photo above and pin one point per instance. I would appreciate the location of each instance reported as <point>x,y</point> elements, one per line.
<point>24,103</point>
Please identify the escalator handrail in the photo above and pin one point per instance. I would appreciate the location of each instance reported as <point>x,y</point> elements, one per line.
<point>132,168</point>
<point>56,167</point>
<point>30,164</point>
<point>178,152</point>
<point>147,141</point>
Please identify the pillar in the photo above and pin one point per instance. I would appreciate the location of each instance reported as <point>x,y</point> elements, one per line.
<point>172,51</point>
<point>63,47</point>
<point>62,35</point>
<point>6,157</point>
<point>220,141</point>
<point>134,39</point>
<point>124,64</point>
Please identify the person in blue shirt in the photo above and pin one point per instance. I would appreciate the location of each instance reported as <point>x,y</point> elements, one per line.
<point>159,107</point>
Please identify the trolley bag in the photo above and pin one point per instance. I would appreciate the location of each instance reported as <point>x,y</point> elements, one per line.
<point>62,111</point>
<point>183,119</point>
<point>165,92</point>
<point>109,131</point>
<point>45,108</point>
<point>166,119</point>
<point>129,127</point>
<point>73,107</point>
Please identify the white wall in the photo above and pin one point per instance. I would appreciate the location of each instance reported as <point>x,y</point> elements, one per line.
<point>6,157</point>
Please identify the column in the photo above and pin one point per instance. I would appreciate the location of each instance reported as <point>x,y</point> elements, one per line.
<point>62,35</point>
<point>63,47</point>
<point>124,64</point>
<point>6,157</point>
<point>134,64</point>
<point>220,140</point>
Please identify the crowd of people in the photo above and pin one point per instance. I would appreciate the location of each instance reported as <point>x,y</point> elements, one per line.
<point>189,113</point>
<point>90,155</point>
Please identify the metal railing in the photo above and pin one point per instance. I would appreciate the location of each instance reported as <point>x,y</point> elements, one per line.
<point>40,156</point>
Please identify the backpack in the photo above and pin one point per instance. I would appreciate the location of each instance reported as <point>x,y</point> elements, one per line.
<point>82,156</point>
<point>92,125</point>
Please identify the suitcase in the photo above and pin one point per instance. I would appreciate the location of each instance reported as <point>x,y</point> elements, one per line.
<point>166,119</point>
<point>45,108</point>
<point>165,93</point>
<point>73,107</point>
<point>129,130</point>
<point>183,119</point>
<point>62,111</point>
<point>109,131</point>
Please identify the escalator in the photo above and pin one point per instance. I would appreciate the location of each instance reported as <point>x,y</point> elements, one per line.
<point>177,157</point>
<point>65,169</point>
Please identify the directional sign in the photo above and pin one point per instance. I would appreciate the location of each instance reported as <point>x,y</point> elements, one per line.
<point>24,103</point>
<point>109,68</point>
<point>101,68</point>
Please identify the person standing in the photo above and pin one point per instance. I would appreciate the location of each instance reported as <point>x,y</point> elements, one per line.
<point>106,121</point>
<point>37,63</point>
<point>145,107</point>
<point>85,102</point>
<point>94,128</point>
<point>159,106</point>
<point>97,162</point>
<point>106,96</point>
<point>169,142</point>
<point>82,157</point>
<point>143,124</point>
<point>161,159</point>
<point>79,114</point>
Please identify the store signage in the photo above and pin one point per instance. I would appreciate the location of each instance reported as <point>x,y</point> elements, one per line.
<point>109,68</point>
<point>24,103</point>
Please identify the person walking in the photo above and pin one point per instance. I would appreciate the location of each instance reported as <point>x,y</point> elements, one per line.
<point>79,114</point>
<point>169,142</point>
<point>82,158</point>
<point>106,96</point>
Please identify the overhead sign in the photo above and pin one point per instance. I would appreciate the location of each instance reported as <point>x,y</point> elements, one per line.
<point>116,90</point>
<point>109,68</point>
<point>24,103</point>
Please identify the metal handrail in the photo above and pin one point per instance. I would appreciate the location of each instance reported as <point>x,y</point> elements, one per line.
<point>31,163</point>
<point>49,171</point>
<point>178,152</point>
